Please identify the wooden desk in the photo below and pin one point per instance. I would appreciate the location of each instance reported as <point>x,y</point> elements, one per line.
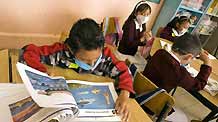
<point>4,66</point>
<point>203,96</point>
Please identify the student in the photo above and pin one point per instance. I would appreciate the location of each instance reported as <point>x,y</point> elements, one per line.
<point>177,27</point>
<point>134,30</point>
<point>83,51</point>
<point>167,71</point>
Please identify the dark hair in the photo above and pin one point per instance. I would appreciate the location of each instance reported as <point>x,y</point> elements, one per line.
<point>85,34</point>
<point>179,20</point>
<point>187,43</point>
<point>140,6</point>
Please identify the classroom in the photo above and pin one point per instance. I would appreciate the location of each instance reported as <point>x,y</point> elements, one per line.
<point>109,60</point>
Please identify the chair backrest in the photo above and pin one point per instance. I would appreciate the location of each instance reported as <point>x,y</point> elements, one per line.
<point>160,29</point>
<point>14,56</point>
<point>158,103</point>
<point>4,64</point>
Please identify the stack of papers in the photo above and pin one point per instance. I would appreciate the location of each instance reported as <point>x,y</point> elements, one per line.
<point>211,87</point>
<point>165,45</point>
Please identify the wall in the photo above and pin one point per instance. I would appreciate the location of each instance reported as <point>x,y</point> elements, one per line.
<point>42,21</point>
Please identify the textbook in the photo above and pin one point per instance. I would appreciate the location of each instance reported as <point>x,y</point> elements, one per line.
<point>63,100</point>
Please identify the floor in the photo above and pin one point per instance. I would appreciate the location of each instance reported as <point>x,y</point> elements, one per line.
<point>187,108</point>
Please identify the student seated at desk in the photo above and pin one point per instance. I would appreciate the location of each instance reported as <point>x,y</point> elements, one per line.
<point>134,30</point>
<point>83,51</point>
<point>167,71</point>
<point>177,27</point>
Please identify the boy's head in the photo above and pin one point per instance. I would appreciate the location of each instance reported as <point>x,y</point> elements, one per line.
<point>187,47</point>
<point>85,41</point>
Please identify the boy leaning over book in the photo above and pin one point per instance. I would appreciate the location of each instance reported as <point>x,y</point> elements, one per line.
<point>83,51</point>
<point>167,69</point>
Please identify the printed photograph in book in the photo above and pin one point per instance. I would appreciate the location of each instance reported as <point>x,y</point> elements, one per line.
<point>92,96</point>
<point>46,85</point>
<point>23,109</point>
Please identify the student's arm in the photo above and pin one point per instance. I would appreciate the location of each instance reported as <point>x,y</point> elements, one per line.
<point>125,78</point>
<point>197,83</point>
<point>200,80</point>
<point>129,33</point>
<point>125,84</point>
<point>32,54</point>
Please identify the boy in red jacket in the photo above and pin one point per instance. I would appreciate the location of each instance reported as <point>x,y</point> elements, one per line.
<point>83,51</point>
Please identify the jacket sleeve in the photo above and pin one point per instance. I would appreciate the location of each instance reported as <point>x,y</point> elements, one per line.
<point>125,78</point>
<point>32,54</point>
<point>129,33</point>
<point>196,83</point>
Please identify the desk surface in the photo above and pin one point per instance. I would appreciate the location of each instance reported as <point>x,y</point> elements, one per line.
<point>214,75</point>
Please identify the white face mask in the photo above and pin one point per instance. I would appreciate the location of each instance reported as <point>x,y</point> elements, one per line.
<point>142,19</point>
<point>146,19</point>
<point>184,31</point>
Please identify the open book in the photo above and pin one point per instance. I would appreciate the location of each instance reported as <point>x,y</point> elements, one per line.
<point>72,98</point>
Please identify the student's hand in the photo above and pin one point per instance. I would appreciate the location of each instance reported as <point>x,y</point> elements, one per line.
<point>204,57</point>
<point>121,105</point>
<point>148,35</point>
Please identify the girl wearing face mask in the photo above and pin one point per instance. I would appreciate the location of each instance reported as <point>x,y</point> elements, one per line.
<point>134,30</point>
<point>177,27</point>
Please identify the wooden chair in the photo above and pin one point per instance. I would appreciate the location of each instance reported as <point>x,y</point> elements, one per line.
<point>161,104</point>
<point>4,66</point>
<point>14,57</point>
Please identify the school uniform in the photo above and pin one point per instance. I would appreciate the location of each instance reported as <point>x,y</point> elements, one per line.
<point>164,69</point>
<point>167,33</point>
<point>132,32</point>
<point>59,55</point>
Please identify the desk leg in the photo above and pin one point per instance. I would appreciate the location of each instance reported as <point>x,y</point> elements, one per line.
<point>214,109</point>
<point>212,115</point>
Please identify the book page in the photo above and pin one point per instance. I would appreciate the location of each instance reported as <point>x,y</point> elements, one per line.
<point>93,99</point>
<point>18,106</point>
<point>165,45</point>
<point>46,91</point>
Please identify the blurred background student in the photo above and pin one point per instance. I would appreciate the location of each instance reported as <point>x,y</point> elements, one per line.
<point>177,27</point>
<point>134,30</point>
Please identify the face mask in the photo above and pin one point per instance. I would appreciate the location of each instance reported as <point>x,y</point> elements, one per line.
<point>184,31</point>
<point>142,19</point>
<point>184,65</point>
<point>146,19</point>
<point>86,66</point>
<point>83,65</point>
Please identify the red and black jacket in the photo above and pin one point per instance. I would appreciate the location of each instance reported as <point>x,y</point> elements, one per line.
<point>58,55</point>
